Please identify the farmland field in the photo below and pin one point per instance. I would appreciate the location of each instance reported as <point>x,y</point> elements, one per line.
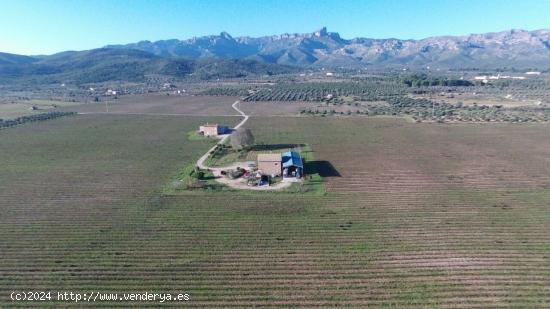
<point>416,216</point>
<point>264,108</point>
<point>162,104</point>
<point>393,155</point>
<point>23,108</point>
<point>471,100</point>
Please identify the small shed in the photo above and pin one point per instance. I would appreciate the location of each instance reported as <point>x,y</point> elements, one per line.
<point>269,164</point>
<point>209,129</point>
<point>293,165</point>
<point>213,129</point>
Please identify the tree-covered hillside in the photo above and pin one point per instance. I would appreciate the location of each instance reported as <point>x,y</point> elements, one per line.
<point>106,64</point>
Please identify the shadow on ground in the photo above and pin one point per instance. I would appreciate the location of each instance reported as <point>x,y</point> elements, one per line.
<point>266,147</point>
<point>323,168</point>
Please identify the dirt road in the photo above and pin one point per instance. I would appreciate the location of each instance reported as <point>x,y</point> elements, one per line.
<point>234,183</point>
<point>200,162</point>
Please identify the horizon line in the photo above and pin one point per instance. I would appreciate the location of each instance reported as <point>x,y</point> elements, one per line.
<point>280,34</point>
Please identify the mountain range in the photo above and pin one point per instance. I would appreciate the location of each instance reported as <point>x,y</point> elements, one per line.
<point>223,56</point>
<point>513,48</point>
<point>113,64</point>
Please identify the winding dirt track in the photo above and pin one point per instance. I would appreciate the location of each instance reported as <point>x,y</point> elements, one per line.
<point>237,183</point>
<point>200,162</point>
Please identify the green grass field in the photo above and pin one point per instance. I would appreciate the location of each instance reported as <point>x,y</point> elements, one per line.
<point>23,108</point>
<point>416,216</point>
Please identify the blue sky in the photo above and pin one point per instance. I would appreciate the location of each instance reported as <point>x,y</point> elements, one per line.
<point>49,26</point>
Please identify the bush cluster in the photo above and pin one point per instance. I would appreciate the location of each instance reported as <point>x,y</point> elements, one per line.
<point>32,118</point>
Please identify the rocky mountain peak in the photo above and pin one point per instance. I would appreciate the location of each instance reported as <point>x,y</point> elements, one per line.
<point>507,48</point>
<point>226,35</point>
<point>321,32</point>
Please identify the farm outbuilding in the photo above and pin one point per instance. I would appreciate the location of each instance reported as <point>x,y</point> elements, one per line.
<point>213,129</point>
<point>269,164</point>
<point>293,165</point>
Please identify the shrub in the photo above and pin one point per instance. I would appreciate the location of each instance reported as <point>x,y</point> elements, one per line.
<point>197,173</point>
<point>242,138</point>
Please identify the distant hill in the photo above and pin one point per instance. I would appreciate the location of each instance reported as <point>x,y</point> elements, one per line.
<point>7,59</point>
<point>110,64</point>
<point>223,56</point>
<point>514,48</point>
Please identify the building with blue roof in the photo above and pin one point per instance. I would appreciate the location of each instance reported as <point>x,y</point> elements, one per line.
<point>293,165</point>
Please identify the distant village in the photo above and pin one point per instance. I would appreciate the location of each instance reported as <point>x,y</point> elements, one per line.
<point>486,78</point>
